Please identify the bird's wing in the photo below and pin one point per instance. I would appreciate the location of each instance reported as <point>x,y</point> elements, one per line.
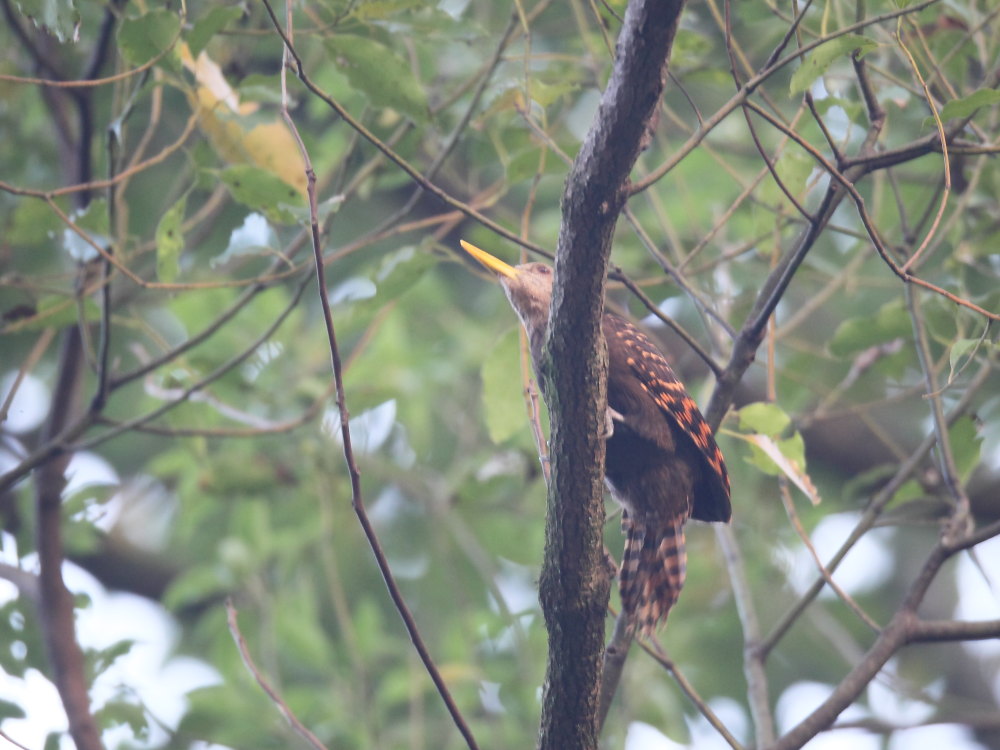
<point>655,376</point>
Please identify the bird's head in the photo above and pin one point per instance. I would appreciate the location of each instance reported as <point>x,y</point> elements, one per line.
<point>528,287</point>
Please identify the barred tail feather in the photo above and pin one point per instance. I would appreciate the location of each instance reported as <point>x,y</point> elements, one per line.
<point>652,571</point>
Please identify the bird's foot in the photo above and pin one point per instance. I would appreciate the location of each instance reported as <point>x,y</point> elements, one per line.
<point>610,417</point>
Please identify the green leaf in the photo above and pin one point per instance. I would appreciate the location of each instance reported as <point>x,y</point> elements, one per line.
<point>33,223</point>
<point>967,105</point>
<point>960,349</point>
<point>118,712</point>
<point>503,402</point>
<point>823,56</point>
<point>101,659</point>
<point>765,418</point>
<point>911,490</point>
<point>323,210</point>
<point>783,457</point>
<point>258,87</point>
<point>762,461</point>
<point>374,70</point>
<point>794,449</point>
<point>380,10</point>
<point>170,241</point>
<point>793,168</point>
<point>857,334</point>
<point>548,93</point>
<point>58,16</point>
<point>262,191</point>
<point>298,630</point>
<point>143,38</point>
<point>966,445</point>
<point>194,586</point>
<point>854,110</point>
<point>396,274</point>
<point>209,25</point>
<point>10,710</point>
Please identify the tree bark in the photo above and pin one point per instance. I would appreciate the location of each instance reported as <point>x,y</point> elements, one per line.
<point>574,584</point>
<point>55,602</point>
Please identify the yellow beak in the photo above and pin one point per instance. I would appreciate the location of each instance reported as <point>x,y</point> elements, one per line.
<point>494,264</point>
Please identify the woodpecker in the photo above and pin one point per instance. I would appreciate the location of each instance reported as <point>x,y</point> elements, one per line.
<point>662,463</point>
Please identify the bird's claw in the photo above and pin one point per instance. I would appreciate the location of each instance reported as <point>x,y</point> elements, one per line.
<point>610,416</point>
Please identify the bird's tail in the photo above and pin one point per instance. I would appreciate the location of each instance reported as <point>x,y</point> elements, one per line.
<point>652,572</point>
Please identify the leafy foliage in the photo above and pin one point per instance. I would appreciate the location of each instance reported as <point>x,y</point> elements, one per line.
<point>162,214</point>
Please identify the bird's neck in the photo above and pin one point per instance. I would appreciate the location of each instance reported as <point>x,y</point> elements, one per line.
<point>535,323</point>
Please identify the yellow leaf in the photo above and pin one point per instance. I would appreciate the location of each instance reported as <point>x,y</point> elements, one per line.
<point>225,135</point>
<point>222,118</point>
<point>209,77</point>
<point>272,147</point>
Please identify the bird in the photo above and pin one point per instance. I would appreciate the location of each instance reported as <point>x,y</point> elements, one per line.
<point>662,463</point>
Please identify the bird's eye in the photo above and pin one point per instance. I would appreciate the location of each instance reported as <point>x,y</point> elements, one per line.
<point>544,270</point>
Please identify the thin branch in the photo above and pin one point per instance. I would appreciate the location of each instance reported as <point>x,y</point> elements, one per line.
<point>672,324</point>
<point>793,517</point>
<point>688,689</point>
<point>41,60</point>
<point>728,29</point>
<point>394,157</point>
<point>874,510</point>
<point>904,628</point>
<point>86,83</point>
<point>943,631</point>
<point>12,741</point>
<point>758,692</point>
<point>186,393</point>
<point>37,351</point>
<point>978,536</point>
<point>944,152</point>
<point>357,498</point>
<point>846,181</point>
<point>752,84</point>
<point>55,602</point>
<point>232,618</point>
<point>615,654</point>
<point>946,457</point>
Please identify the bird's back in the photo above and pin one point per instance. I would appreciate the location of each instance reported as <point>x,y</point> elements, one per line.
<point>662,453</point>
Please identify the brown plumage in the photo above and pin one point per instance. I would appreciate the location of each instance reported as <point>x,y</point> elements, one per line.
<point>662,464</point>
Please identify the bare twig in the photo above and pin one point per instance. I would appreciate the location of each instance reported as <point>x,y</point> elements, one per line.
<point>793,517</point>
<point>37,350</point>
<point>395,158</point>
<point>12,741</point>
<point>946,457</point>
<point>758,691</point>
<point>357,498</point>
<point>87,186</point>
<point>752,84</point>
<point>944,152</point>
<point>185,393</point>
<point>904,628</point>
<point>232,618</point>
<point>56,608</point>
<point>875,507</point>
<point>688,689</point>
